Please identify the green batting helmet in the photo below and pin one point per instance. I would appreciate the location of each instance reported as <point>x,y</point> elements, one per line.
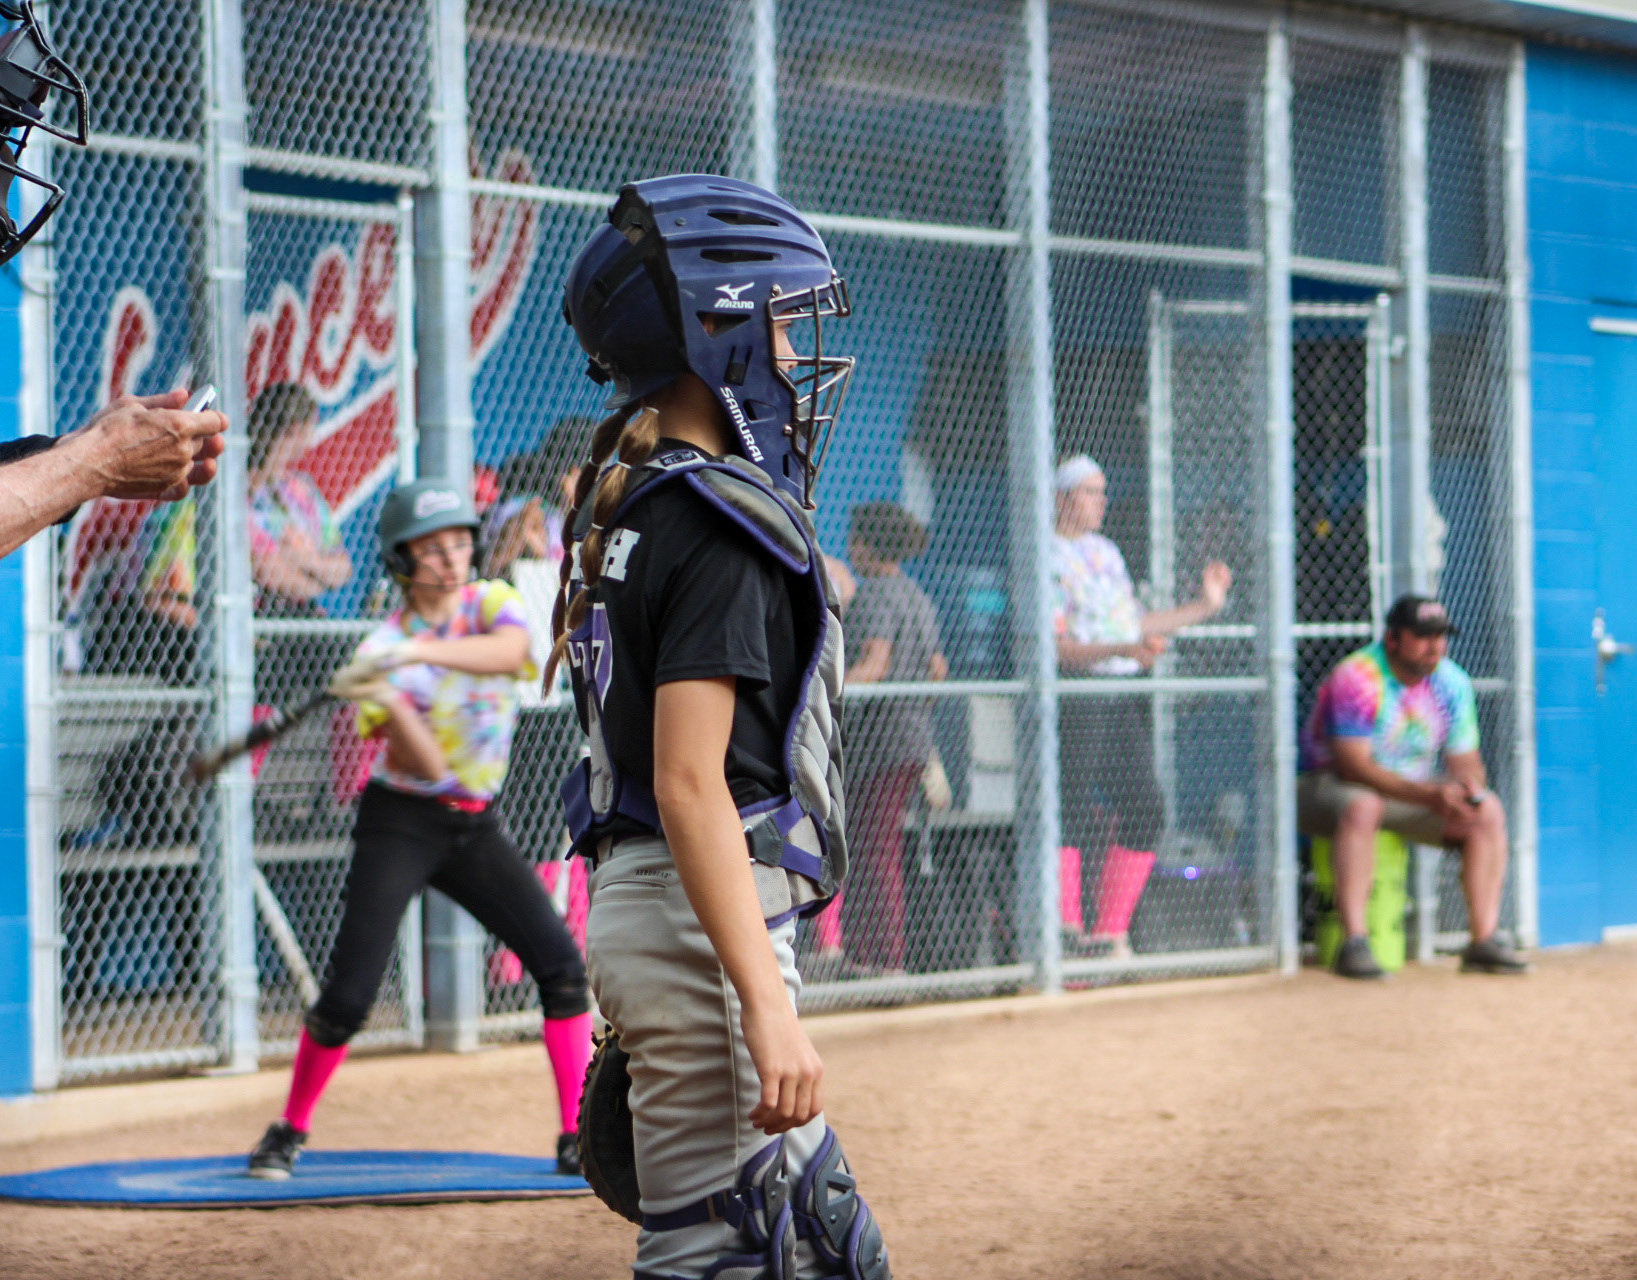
<point>412,510</point>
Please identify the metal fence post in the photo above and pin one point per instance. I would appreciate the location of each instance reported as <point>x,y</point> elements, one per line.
<point>1031,429</point>
<point>764,93</point>
<point>1412,483</point>
<point>1525,799</point>
<point>1281,651</point>
<point>443,240</point>
<point>1411,495</point>
<point>37,270</point>
<point>405,428</point>
<point>228,500</point>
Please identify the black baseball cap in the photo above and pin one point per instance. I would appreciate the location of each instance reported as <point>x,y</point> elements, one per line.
<point>1420,614</point>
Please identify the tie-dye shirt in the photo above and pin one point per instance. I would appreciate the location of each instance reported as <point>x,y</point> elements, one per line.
<point>1093,601</point>
<point>472,717</point>
<point>294,501</point>
<point>1409,726</point>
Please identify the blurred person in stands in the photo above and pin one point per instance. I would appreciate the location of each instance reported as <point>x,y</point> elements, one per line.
<point>892,636</point>
<point>1384,720</point>
<point>139,447</point>
<point>526,522</point>
<point>142,618</point>
<point>296,553</point>
<point>1107,742</point>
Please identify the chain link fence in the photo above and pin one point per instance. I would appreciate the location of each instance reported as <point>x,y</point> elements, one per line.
<point>1251,267</point>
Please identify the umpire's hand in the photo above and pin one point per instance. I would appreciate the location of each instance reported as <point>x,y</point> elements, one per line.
<point>148,447</point>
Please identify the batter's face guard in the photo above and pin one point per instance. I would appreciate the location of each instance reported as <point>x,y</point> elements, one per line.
<point>29,71</point>
<point>723,279</point>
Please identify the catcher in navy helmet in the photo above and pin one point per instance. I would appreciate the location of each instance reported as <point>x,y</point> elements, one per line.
<point>704,647</point>
<point>435,683</point>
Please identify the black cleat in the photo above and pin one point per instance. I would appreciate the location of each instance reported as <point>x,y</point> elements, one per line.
<point>275,1155</point>
<point>568,1154</point>
<point>1492,956</point>
<point>1356,960</point>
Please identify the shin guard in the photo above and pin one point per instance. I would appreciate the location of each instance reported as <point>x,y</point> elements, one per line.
<point>830,1213</point>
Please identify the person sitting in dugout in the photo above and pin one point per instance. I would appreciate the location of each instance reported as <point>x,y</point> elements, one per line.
<point>1369,760</point>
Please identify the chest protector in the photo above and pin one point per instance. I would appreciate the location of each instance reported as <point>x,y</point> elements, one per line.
<point>804,831</point>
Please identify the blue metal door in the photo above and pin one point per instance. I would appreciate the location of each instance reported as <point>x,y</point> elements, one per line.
<point>1615,626</point>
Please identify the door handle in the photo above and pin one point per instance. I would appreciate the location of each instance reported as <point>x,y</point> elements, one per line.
<point>1608,649</point>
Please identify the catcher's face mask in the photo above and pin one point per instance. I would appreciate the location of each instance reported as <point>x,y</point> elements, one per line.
<point>29,71</point>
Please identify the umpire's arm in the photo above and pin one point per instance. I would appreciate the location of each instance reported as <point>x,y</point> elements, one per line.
<point>138,447</point>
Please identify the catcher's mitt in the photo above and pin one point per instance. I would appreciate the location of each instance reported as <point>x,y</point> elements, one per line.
<point>608,1154</point>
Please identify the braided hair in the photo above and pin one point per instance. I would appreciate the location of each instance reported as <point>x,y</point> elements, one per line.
<point>621,443</point>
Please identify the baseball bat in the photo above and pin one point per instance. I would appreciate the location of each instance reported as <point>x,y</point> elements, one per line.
<point>206,765</point>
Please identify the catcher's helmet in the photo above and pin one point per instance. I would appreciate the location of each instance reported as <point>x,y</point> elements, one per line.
<point>412,510</point>
<point>698,273</point>
<point>29,70</point>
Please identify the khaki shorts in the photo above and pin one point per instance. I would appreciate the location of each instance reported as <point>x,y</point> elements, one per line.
<point>1320,798</point>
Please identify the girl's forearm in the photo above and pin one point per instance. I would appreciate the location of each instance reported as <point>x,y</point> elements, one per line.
<point>500,653</point>
<point>708,844</point>
<point>411,744</point>
<point>1167,622</point>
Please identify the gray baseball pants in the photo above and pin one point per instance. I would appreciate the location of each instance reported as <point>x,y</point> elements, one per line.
<point>693,1084</point>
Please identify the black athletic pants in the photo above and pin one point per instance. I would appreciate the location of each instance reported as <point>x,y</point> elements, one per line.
<point>403,844</point>
<point>1108,748</point>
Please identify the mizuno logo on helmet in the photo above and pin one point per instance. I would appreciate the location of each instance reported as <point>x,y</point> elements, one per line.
<point>434,501</point>
<point>739,422</point>
<point>731,301</point>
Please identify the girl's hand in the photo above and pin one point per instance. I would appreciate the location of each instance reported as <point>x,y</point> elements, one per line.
<point>400,653</point>
<point>368,686</point>
<point>1215,584</point>
<point>788,1065</point>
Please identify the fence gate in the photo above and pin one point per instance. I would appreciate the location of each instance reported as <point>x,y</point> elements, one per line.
<point>1342,402</point>
<point>1342,502</point>
<point>329,287</point>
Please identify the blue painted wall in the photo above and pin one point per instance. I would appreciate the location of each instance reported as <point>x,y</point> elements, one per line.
<point>1582,150</point>
<point>16,1072</point>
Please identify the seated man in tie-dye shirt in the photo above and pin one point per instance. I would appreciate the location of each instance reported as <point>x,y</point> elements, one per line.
<point>1383,723</point>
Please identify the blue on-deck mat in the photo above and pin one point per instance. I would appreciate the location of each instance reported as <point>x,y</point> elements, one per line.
<point>321,1177</point>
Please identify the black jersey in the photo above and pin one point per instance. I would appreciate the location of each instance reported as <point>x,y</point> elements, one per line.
<point>688,597</point>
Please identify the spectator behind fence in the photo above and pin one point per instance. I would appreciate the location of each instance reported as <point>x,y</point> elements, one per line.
<point>1107,742</point>
<point>142,618</point>
<point>535,488</point>
<point>1369,761</point>
<point>296,554</point>
<point>295,544</point>
<point>892,635</point>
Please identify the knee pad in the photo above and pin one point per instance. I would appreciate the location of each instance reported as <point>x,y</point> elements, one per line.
<point>329,1031</point>
<point>831,1214</point>
<point>759,1205</point>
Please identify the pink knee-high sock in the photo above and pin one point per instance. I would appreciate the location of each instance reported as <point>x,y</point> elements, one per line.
<point>312,1071</point>
<point>568,1045</point>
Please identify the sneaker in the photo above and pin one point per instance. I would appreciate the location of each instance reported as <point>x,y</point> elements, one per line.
<point>1356,960</point>
<point>1492,956</point>
<point>568,1154</point>
<point>275,1155</point>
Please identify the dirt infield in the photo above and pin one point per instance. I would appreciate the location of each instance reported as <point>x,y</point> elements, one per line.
<point>1434,1126</point>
